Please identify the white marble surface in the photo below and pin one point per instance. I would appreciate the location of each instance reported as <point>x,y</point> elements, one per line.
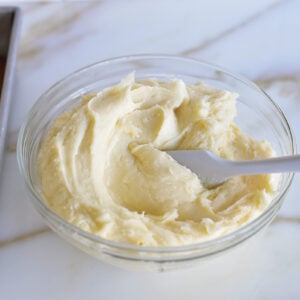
<point>259,39</point>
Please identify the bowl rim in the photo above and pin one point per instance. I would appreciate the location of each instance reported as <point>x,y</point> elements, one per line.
<point>152,249</point>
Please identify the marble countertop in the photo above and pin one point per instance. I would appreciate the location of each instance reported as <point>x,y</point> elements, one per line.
<point>259,39</point>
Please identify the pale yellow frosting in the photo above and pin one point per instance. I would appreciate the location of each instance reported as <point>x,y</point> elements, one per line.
<point>103,167</point>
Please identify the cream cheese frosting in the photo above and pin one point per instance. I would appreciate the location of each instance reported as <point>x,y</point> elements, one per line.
<point>103,165</point>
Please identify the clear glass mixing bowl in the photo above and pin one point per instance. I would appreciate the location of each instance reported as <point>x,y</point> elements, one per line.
<point>258,116</point>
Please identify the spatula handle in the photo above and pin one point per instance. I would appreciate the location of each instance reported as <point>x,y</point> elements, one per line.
<point>271,165</point>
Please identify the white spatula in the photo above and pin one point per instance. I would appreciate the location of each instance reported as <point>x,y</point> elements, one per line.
<point>213,170</point>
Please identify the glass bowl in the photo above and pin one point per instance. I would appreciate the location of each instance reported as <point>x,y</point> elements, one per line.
<point>258,116</point>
